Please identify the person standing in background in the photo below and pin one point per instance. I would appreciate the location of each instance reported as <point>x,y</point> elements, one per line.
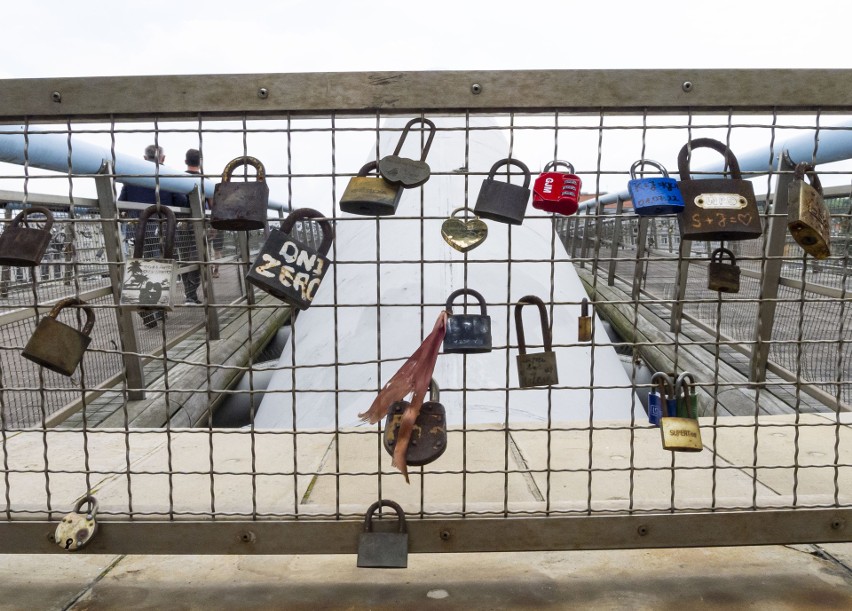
<point>214,236</point>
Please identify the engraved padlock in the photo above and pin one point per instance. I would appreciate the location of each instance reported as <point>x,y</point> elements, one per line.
<point>807,215</point>
<point>76,529</point>
<point>289,269</point>
<point>539,368</point>
<point>148,283</point>
<point>584,326</point>
<point>661,400</point>
<point>22,245</point>
<point>429,435</point>
<point>502,201</point>
<point>405,172</point>
<point>721,276</point>
<point>682,433</point>
<point>370,195</point>
<point>57,346</point>
<point>240,206</point>
<point>656,196</point>
<point>716,208</point>
<point>463,235</point>
<point>383,550</point>
<point>467,333</point>
<point>557,192</point>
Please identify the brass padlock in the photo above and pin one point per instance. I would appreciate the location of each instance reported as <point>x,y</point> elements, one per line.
<point>76,529</point>
<point>240,206</point>
<point>716,208</point>
<point>383,550</point>
<point>682,434</point>
<point>148,283</point>
<point>721,276</point>
<point>288,269</point>
<point>57,346</point>
<point>467,333</point>
<point>429,435</point>
<point>503,201</point>
<point>463,235</point>
<point>370,195</point>
<point>584,331</point>
<point>25,246</point>
<point>408,173</point>
<point>537,369</point>
<point>807,215</point>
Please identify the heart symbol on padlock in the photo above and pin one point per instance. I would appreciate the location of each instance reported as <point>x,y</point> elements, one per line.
<point>744,218</point>
<point>404,172</point>
<point>464,235</point>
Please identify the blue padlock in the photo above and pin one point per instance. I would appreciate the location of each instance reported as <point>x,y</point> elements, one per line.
<point>654,196</point>
<point>656,401</point>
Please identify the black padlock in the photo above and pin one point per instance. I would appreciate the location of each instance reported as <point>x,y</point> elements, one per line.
<point>537,369</point>
<point>57,346</point>
<point>240,206</point>
<point>716,208</point>
<point>149,283</point>
<point>288,269</point>
<point>467,333</point>
<point>384,550</point>
<point>408,173</point>
<point>721,276</point>
<point>503,201</point>
<point>25,246</point>
<point>370,195</point>
<point>429,435</point>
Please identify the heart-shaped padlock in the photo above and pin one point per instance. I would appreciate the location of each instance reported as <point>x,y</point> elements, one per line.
<point>464,235</point>
<point>404,172</point>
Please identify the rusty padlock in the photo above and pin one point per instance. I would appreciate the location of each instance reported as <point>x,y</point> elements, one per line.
<point>25,246</point>
<point>537,369</point>
<point>807,215</point>
<point>467,333</point>
<point>148,283</point>
<point>408,173</point>
<point>370,195</point>
<point>502,201</point>
<point>682,433</point>
<point>716,208</point>
<point>288,269</point>
<point>57,346</point>
<point>76,529</point>
<point>240,206</point>
<point>429,436</point>
<point>383,550</point>
<point>721,276</point>
<point>584,324</point>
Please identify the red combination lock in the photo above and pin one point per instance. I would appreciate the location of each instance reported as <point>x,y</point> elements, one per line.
<point>557,192</point>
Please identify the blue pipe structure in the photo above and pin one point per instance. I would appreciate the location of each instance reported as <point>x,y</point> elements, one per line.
<point>50,151</point>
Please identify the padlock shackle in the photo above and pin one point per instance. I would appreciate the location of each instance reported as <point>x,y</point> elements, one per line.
<point>664,382</point>
<point>169,238</point>
<point>73,301</point>
<point>303,214</point>
<point>432,129</point>
<point>368,519</point>
<point>515,162</point>
<point>584,307</point>
<point>23,214</point>
<point>519,323</point>
<point>473,293</point>
<point>720,147</point>
<point>802,168</point>
<point>642,163</point>
<point>461,208</point>
<point>684,381</point>
<point>434,391</point>
<point>552,164</point>
<point>244,160</point>
<point>91,501</point>
<point>365,169</point>
<point>716,256</point>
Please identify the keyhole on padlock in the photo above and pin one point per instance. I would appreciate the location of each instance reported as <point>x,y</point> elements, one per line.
<point>68,542</point>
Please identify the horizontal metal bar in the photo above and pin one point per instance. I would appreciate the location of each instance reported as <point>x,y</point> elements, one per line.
<point>19,314</point>
<point>43,199</point>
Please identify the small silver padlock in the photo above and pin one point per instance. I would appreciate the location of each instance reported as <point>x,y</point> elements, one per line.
<point>537,369</point>
<point>384,550</point>
<point>76,529</point>
<point>149,283</point>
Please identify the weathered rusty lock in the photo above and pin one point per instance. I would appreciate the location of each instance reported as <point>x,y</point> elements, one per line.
<point>467,333</point>
<point>584,330</point>
<point>25,246</point>
<point>76,529</point>
<point>148,283</point>
<point>383,550</point>
<point>503,201</point>
<point>289,269</point>
<point>57,346</point>
<point>654,196</point>
<point>408,173</point>
<point>716,208</point>
<point>721,276</point>
<point>537,369</point>
<point>429,435</point>
<point>240,206</point>
<point>370,195</point>
<point>807,215</point>
<point>682,433</point>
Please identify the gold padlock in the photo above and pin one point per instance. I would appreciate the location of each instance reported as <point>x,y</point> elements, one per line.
<point>682,434</point>
<point>76,529</point>
<point>807,215</point>
<point>584,330</point>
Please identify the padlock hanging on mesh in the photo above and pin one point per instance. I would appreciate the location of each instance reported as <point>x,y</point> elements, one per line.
<point>538,368</point>
<point>402,171</point>
<point>681,433</point>
<point>657,196</point>
<point>808,218</point>
<point>429,436</point>
<point>22,245</point>
<point>557,192</point>
<point>467,333</point>
<point>57,346</point>
<point>149,283</point>
<point>502,201</point>
<point>240,206</point>
<point>370,195</point>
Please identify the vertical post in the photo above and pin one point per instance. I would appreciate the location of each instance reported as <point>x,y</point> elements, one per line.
<point>584,250</point>
<point>575,220</point>
<point>684,254</point>
<point>599,229</point>
<point>638,269</point>
<point>616,239</point>
<point>245,258</point>
<point>200,234</point>
<point>115,259</point>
